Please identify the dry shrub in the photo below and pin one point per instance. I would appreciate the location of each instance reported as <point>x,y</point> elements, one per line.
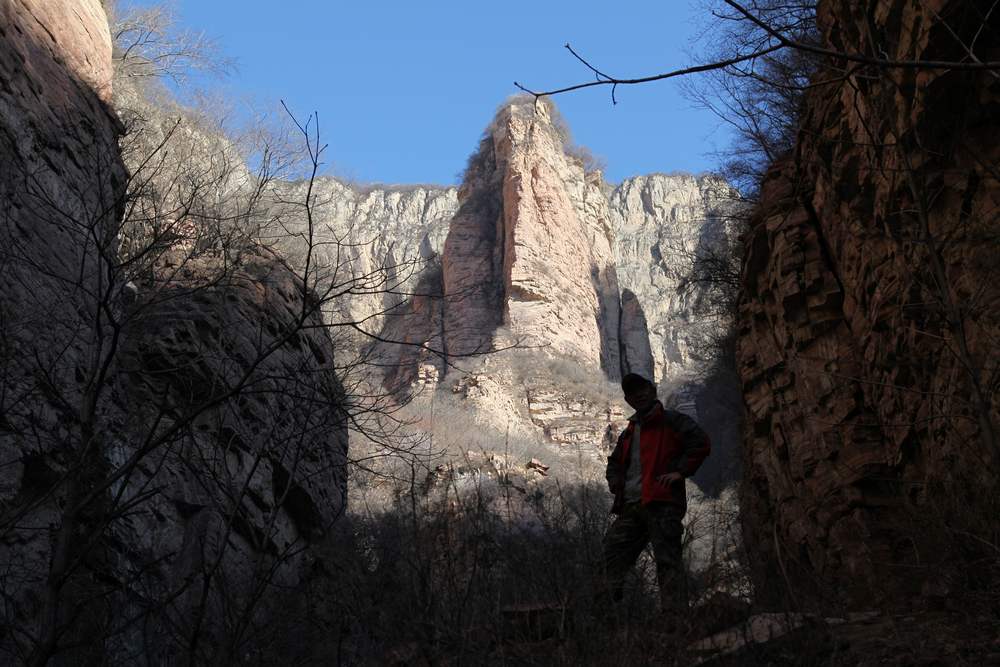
<point>484,559</point>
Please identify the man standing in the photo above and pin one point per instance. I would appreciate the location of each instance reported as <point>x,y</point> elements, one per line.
<point>646,471</point>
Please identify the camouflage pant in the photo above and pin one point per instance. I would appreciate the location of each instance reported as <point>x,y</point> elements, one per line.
<point>632,530</point>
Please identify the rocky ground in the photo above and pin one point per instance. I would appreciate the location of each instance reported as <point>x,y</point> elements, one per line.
<point>546,635</point>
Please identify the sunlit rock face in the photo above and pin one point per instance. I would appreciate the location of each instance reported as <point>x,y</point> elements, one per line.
<point>534,241</point>
<point>66,43</point>
<point>659,224</point>
<point>384,237</point>
<point>868,317</point>
<point>541,254</point>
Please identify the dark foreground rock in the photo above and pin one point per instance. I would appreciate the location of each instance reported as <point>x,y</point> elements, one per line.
<point>172,448</point>
<point>868,321</point>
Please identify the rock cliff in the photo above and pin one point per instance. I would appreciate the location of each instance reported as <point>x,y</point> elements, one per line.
<point>531,248</point>
<point>868,319</point>
<point>540,256</point>
<point>59,190</point>
<point>253,480</point>
<point>588,271</point>
<point>660,223</point>
<point>384,238</point>
<point>170,424</point>
<point>534,251</point>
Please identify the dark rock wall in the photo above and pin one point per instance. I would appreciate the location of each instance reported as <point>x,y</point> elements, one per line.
<point>253,482</point>
<point>870,315</point>
<point>61,180</point>
<point>170,451</point>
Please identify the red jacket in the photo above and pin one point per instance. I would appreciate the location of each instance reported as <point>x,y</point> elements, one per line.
<point>669,441</point>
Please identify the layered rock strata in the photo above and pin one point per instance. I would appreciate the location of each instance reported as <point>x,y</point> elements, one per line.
<point>869,315</point>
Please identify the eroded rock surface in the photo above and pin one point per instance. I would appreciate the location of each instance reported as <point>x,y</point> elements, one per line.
<point>59,188</point>
<point>256,478</point>
<point>529,248</point>
<point>660,222</point>
<point>160,463</point>
<point>868,322</point>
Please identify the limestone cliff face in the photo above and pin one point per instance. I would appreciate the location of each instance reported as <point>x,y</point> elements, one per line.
<point>660,223</point>
<point>868,322</point>
<point>533,249</point>
<point>541,254</point>
<point>533,242</point>
<point>559,259</point>
<point>385,237</point>
<point>379,248</point>
<point>558,269</point>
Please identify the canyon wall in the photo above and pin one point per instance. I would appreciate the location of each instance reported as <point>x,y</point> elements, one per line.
<point>60,188</point>
<point>172,433</point>
<point>660,223</point>
<point>868,320</point>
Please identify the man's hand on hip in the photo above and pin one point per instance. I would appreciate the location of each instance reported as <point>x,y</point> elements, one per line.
<point>669,478</point>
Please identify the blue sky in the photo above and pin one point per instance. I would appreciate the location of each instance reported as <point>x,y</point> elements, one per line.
<point>404,89</point>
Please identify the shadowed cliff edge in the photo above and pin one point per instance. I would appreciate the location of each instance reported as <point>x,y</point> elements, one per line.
<point>172,440</point>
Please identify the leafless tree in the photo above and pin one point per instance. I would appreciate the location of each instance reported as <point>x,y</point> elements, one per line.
<point>149,44</point>
<point>214,396</point>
